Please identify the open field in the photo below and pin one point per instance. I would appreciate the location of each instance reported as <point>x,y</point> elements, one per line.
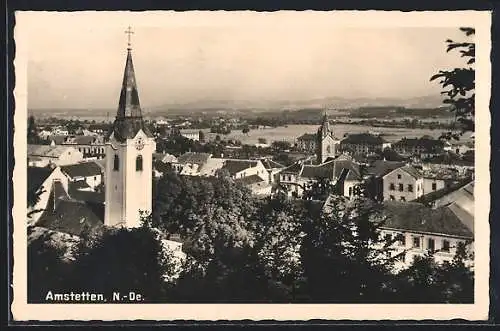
<point>291,132</point>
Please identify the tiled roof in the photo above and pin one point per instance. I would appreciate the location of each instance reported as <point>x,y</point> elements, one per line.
<point>250,180</point>
<point>427,144</point>
<point>84,169</point>
<point>46,150</point>
<point>193,158</point>
<point>235,166</point>
<point>36,176</point>
<point>363,138</point>
<point>317,171</point>
<point>270,164</point>
<point>58,139</point>
<point>84,140</point>
<point>86,196</point>
<point>415,217</point>
<point>71,217</point>
<point>354,172</point>
<point>293,169</point>
<point>412,171</point>
<point>307,137</point>
<point>446,194</point>
<point>409,170</point>
<point>381,168</point>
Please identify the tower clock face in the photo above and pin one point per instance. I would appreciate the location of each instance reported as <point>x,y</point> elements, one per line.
<point>139,144</point>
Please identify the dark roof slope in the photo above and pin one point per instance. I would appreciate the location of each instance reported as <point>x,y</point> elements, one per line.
<point>270,164</point>
<point>381,168</point>
<point>36,176</point>
<point>194,158</point>
<point>293,169</point>
<point>85,169</point>
<point>318,171</point>
<point>85,196</point>
<point>363,138</point>
<point>235,166</point>
<point>70,216</point>
<point>415,217</point>
<point>412,171</point>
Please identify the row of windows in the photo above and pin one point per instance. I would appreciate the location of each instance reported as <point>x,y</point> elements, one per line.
<point>410,188</point>
<point>416,242</point>
<point>97,150</point>
<point>138,163</point>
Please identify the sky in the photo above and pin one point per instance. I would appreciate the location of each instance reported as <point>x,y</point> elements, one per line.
<point>77,61</point>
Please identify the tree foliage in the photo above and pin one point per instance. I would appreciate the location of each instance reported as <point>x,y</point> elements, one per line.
<point>459,83</point>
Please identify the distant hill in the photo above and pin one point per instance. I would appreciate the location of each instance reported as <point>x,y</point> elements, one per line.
<point>333,104</point>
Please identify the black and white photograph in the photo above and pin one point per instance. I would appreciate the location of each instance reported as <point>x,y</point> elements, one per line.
<point>304,164</point>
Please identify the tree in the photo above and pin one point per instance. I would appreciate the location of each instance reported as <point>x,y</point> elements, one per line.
<point>32,131</point>
<point>245,129</point>
<point>459,84</point>
<point>46,269</point>
<point>344,257</point>
<point>124,260</point>
<point>281,145</point>
<point>262,141</point>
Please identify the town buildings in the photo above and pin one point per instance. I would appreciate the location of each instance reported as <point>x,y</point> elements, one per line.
<point>363,143</point>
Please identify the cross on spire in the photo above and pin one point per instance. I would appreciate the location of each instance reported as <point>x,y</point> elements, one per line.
<point>129,33</point>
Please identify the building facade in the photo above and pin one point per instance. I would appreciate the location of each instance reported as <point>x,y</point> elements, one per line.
<point>403,184</point>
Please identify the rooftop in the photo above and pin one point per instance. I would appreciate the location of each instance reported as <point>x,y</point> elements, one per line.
<point>193,158</point>
<point>36,176</point>
<point>84,169</point>
<point>416,217</point>
<point>234,166</point>
<point>364,138</point>
<point>47,150</point>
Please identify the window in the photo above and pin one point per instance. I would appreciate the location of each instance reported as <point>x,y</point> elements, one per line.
<point>391,197</point>
<point>350,191</point>
<point>401,188</point>
<point>402,239</point>
<point>410,188</point>
<point>430,244</point>
<point>399,176</point>
<point>116,163</point>
<point>328,150</point>
<point>388,237</point>
<point>95,177</point>
<point>446,246</point>
<point>433,186</point>
<point>138,163</point>
<point>416,242</point>
<point>392,187</point>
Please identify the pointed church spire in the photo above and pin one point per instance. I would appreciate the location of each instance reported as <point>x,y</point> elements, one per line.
<point>129,105</point>
<point>129,119</point>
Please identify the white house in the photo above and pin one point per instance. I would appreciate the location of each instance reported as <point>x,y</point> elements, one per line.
<point>245,168</point>
<point>403,184</point>
<point>89,172</point>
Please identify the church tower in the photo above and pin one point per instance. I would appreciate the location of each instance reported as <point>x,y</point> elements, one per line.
<point>326,143</point>
<point>129,157</point>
